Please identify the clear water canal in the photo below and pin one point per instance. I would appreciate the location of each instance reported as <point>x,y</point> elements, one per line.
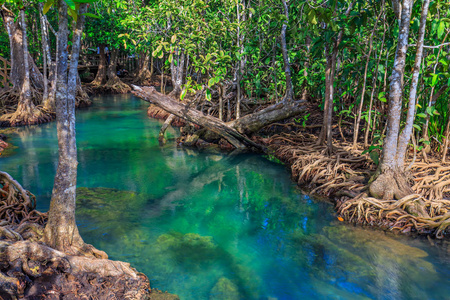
<point>207,225</point>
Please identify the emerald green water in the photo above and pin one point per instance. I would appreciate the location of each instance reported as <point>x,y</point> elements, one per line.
<point>205,225</point>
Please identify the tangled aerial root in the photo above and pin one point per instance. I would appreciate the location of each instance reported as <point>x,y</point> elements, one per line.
<point>19,219</point>
<point>111,87</point>
<point>432,180</point>
<point>344,176</point>
<point>394,214</point>
<point>345,172</point>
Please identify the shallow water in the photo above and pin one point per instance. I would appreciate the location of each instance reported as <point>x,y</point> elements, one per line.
<point>205,225</point>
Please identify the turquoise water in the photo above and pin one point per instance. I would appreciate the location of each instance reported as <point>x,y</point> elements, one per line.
<point>205,225</point>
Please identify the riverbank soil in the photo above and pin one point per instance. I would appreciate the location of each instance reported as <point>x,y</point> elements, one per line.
<point>29,269</point>
<point>344,175</point>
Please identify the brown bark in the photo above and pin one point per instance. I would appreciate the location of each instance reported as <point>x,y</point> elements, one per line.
<point>61,231</point>
<point>144,75</point>
<point>331,57</point>
<point>26,112</point>
<point>183,111</point>
<point>287,68</point>
<point>15,35</point>
<point>361,103</point>
<point>391,180</point>
<point>233,131</point>
<point>100,78</point>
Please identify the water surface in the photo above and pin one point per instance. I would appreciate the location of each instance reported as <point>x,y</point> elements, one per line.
<point>205,225</point>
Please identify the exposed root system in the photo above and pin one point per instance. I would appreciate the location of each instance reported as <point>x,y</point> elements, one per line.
<point>345,172</point>
<point>110,88</point>
<point>397,214</point>
<point>432,180</point>
<point>344,176</point>
<point>29,269</point>
<point>19,219</point>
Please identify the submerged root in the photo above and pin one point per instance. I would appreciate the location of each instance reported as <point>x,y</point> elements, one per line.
<point>396,214</point>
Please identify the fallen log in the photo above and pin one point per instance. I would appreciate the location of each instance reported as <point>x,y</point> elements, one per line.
<point>235,131</point>
<point>181,110</point>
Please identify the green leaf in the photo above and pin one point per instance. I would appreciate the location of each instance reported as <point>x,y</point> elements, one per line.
<point>434,80</point>
<point>375,157</point>
<point>47,6</point>
<point>71,4</point>
<point>173,39</point>
<point>211,82</point>
<point>421,115</point>
<point>170,57</point>
<point>91,16</point>
<point>183,94</point>
<point>208,95</point>
<point>440,29</point>
<point>417,127</point>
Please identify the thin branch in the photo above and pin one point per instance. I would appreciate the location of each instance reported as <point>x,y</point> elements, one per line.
<point>431,47</point>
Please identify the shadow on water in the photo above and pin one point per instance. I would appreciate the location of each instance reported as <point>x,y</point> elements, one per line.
<point>205,225</point>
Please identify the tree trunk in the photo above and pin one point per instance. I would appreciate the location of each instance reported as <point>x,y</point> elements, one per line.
<point>392,181</point>
<point>177,74</point>
<point>358,119</point>
<point>374,86</point>
<point>26,112</point>
<point>15,35</point>
<point>287,69</point>
<point>61,231</point>
<point>100,78</point>
<point>114,82</point>
<point>331,57</point>
<point>144,75</point>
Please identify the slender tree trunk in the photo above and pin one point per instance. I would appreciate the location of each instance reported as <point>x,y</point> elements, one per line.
<point>177,73</point>
<point>431,102</point>
<point>287,69</point>
<point>331,57</point>
<point>61,231</point>
<point>26,112</point>
<point>100,78</point>
<point>392,181</point>
<point>306,67</point>
<point>374,86</point>
<point>44,34</point>
<point>144,74</point>
<point>361,103</point>
<point>15,36</point>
